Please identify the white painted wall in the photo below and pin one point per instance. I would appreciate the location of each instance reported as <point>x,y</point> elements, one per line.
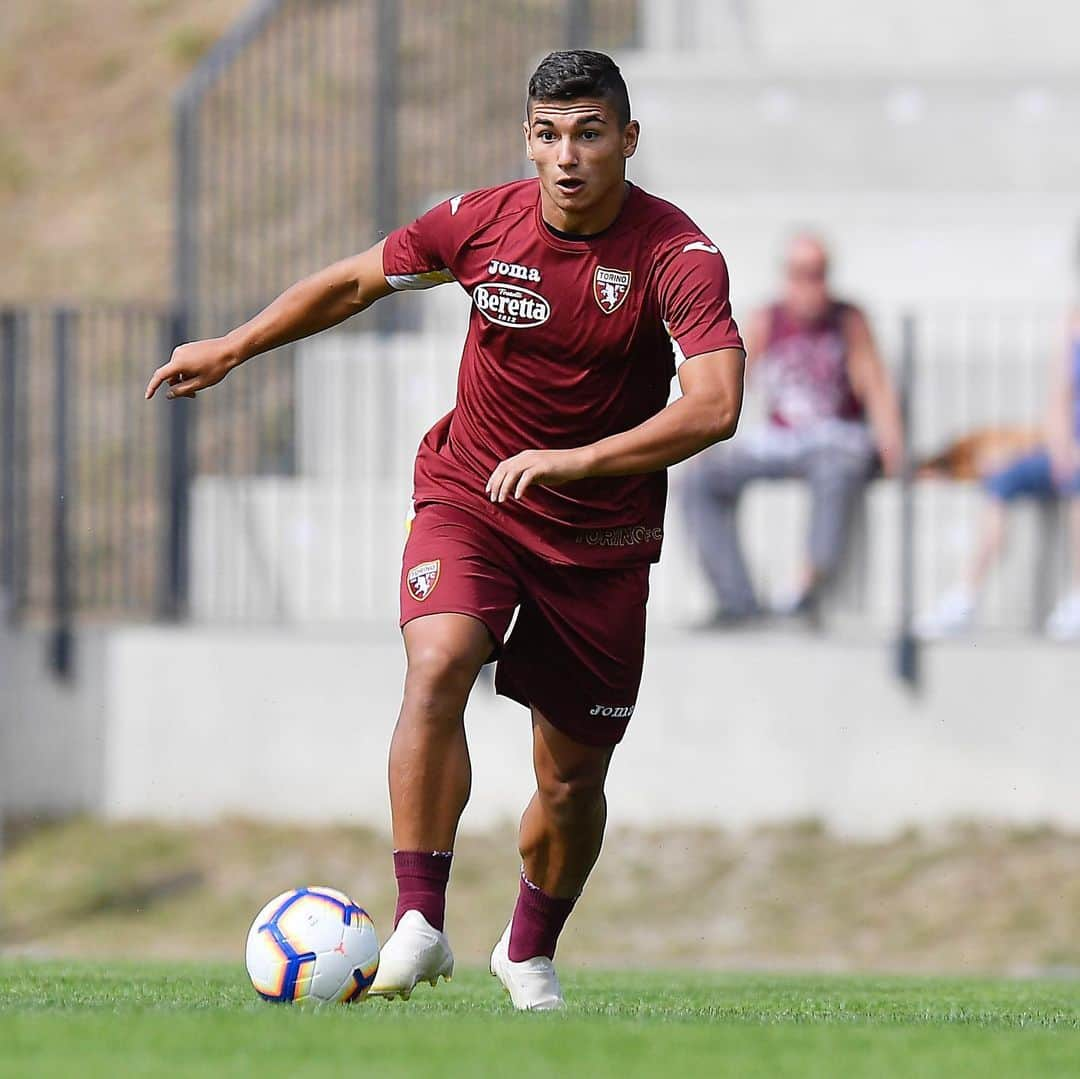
<point>51,747</point>
<point>729,730</point>
<point>904,35</point>
<point>939,190</point>
<point>193,723</point>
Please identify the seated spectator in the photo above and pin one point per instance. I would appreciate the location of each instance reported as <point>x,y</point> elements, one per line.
<point>833,420</point>
<point>1050,470</point>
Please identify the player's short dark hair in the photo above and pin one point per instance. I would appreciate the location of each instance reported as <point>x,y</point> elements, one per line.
<point>563,76</point>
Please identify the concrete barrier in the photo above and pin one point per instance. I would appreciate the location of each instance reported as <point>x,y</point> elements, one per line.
<point>729,731</point>
<point>51,732</point>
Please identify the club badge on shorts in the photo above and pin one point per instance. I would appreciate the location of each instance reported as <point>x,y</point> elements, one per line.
<point>422,579</point>
<point>610,288</point>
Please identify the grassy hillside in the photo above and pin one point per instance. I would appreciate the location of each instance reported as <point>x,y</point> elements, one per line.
<point>965,899</point>
<point>85,121</point>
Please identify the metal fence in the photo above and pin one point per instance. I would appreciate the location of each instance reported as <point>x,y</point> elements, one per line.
<point>279,496</point>
<point>296,513</point>
<point>315,127</point>
<point>87,494</point>
<point>322,545</point>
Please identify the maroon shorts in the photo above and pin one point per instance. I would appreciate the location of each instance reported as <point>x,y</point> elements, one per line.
<point>578,645</point>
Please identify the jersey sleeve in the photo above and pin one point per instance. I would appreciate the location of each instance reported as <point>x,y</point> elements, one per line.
<point>693,292</point>
<point>421,255</point>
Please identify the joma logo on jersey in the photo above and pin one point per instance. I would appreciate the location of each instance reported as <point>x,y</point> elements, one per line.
<point>511,305</point>
<point>512,269</point>
<point>620,712</point>
<point>610,288</point>
<point>422,579</point>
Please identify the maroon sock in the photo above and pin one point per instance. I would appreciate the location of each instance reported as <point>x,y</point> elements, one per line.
<point>538,921</point>
<point>422,877</point>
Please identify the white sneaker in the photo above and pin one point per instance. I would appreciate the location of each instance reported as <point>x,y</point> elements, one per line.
<point>532,984</point>
<point>953,615</point>
<point>416,952</point>
<point>1064,621</point>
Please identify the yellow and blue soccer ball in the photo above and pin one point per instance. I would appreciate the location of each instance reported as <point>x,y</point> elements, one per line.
<point>312,945</point>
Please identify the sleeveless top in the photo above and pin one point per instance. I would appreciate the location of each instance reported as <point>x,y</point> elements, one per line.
<point>804,368</point>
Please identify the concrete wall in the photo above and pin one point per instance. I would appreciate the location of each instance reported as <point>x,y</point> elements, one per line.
<point>931,141</point>
<point>991,36</point>
<point>190,723</point>
<point>283,552</point>
<point>929,189</point>
<point>51,732</point>
<point>729,730</point>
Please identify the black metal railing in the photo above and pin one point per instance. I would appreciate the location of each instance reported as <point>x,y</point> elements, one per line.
<point>83,510</point>
<point>310,129</point>
<point>314,128</point>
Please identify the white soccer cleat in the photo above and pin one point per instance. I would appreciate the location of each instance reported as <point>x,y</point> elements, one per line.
<point>532,984</point>
<point>1064,622</point>
<point>416,952</point>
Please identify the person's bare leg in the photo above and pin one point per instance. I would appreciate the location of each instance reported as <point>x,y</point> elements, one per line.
<point>430,772</point>
<point>1074,540</point>
<point>562,829</point>
<point>989,545</point>
<point>430,777</point>
<point>560,837</point>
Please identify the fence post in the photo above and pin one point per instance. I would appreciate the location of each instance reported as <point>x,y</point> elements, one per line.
<point>177,327</point>
<point>578,23</point>
<point>62,649</point>
<point>7,458</point>
<point>385,159</point>
<point>176,456</point>
<point>385,204</point>
<point>186,166</point>
<point>907,645</point>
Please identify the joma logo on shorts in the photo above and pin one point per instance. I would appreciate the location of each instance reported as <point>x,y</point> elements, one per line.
<point>623,712</point>
<point>512,269</point>
<point>511,305</point>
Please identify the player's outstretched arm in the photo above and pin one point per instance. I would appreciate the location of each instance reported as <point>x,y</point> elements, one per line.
<point>707,412</point>
<point>316,303</point>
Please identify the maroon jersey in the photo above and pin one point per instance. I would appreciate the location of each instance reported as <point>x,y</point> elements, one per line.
<point>805,369</point>
<point>566,345</point>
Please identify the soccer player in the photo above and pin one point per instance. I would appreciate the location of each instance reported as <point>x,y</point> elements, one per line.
<point>543,490</point>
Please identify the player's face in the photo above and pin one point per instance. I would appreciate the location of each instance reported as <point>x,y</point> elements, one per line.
<point>806,273</point>
<point>580,151</point>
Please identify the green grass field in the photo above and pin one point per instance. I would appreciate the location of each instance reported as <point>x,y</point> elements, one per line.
<point>178,1020</point>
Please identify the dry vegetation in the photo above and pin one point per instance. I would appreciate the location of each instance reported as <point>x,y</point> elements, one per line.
<point>85,121</point>
<point>966,899</point>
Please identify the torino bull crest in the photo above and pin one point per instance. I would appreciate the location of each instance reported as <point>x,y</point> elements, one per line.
<point>422,579</point>
<point>610,288</point>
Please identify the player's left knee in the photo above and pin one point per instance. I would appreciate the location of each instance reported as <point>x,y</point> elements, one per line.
<point>572,795</point>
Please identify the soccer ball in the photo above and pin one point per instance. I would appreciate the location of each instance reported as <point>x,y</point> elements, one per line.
<point>313,945</point>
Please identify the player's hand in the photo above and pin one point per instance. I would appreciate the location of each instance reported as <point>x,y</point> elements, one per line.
<point>194,367</point>
<point>514,476</point>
